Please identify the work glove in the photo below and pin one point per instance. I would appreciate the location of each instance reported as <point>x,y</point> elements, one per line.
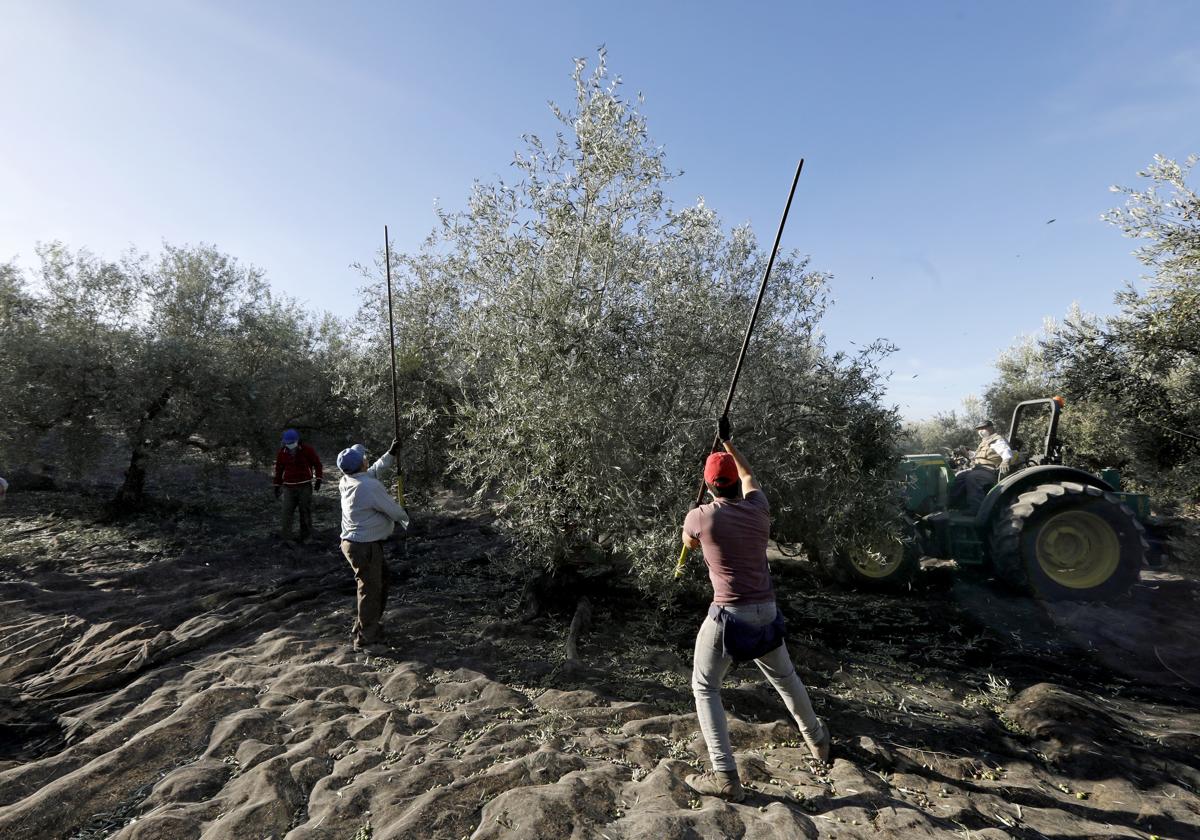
<point>316,484</point>
<point>278,491</point>
<point>723,430</point>
<point>1005,469</point>
<point>394,449</point>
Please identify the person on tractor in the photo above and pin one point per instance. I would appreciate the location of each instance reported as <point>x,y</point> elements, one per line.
<point>991,462</point>
<point>743,623</point>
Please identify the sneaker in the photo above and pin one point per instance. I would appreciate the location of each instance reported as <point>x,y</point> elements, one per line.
<point>726,785</point>
<point>820,744</point>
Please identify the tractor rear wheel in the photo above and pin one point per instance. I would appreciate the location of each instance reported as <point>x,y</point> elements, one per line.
<point>1068,541</point>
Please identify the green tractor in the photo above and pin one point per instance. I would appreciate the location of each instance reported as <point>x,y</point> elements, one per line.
<point>1060,532</point>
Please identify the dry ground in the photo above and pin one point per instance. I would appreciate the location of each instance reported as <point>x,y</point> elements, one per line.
<point>186,676</point>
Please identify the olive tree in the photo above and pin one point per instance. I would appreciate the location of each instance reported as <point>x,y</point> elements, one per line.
<point>20,313</point>
<point>1139,370</point>
<point>577,330</point>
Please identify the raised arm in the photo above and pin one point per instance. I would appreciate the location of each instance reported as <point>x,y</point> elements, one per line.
<point>749,482</point>
<point>379,468</point>
<point>385,462</point>
<point>743,468</point>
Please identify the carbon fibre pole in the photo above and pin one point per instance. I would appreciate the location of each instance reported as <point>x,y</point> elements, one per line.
<point>737,371</point>
<point>387,261</point>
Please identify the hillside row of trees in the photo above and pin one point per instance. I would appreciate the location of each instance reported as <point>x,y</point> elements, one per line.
<point>1131,380</point>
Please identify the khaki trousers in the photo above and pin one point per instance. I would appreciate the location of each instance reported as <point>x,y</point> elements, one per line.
<point>708,672</point>
<point>296,497</point>
<point>372,576</point>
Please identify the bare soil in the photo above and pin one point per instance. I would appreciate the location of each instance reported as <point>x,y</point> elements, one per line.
<point>186,675</point>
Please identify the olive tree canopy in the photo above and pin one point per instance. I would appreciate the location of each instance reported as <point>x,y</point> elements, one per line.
<point>566,341</point>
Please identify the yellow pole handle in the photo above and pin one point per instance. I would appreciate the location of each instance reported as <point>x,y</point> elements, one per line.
<point>680,564</point>
<point>399,489</point>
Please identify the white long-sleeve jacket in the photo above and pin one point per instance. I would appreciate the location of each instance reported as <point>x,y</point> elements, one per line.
<point>368,512</point>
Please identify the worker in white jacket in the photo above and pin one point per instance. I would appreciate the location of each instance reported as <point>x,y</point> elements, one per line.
<point>369,515</point>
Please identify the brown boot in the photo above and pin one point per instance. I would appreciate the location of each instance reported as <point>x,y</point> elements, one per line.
<point>722,783</point>
<point>820,743</point>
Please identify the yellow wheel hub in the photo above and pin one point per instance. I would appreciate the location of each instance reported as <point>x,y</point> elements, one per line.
<point>874,564</point>
<point>1078,550</point>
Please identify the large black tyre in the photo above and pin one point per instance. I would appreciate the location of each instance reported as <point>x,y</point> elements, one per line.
<point>1068,541</point>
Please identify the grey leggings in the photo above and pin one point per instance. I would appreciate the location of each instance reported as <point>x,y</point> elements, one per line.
<point>708,672</point>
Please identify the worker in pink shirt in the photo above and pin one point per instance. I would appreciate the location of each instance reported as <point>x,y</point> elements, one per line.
<point>743,622</point>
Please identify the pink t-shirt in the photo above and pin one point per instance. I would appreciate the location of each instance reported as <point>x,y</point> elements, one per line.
<point>733,534</point>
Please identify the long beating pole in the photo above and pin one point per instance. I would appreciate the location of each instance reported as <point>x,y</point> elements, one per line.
<point>737,371</point>
<point>387,261</point>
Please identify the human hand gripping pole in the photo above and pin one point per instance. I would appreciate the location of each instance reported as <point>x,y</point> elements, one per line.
<point>724,433</point>
<point>737,371</point>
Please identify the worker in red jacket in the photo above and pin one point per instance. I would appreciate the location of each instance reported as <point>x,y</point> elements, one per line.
<point>297,475</point>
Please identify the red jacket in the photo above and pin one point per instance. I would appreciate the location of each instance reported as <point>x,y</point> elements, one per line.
<point>297,468</point>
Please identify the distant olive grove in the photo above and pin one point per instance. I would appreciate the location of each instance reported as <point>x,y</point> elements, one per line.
<point>184,350</point>
<point>1131,380</point>
<point>563,346</point>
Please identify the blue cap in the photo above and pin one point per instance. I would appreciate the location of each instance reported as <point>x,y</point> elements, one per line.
<point>350,461</point>
<point>290,436</point>
<point>360,449</point>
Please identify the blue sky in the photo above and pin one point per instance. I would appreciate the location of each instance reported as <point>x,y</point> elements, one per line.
<point>939,139</point>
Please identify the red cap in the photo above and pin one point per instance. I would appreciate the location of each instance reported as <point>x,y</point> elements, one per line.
<point>720,469</point>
